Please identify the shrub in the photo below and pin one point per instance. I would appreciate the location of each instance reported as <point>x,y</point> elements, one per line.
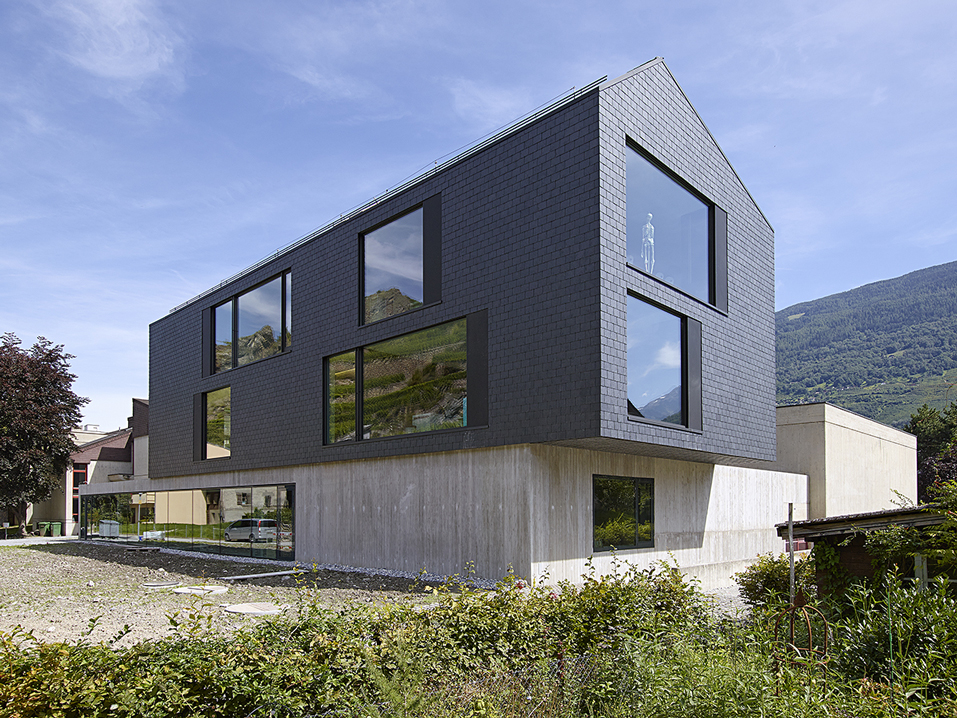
<point>767,581</point>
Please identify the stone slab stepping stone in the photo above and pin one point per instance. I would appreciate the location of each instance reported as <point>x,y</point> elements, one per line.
<point>255,609</point>
<point>201,590</point>
<point>154,585</point>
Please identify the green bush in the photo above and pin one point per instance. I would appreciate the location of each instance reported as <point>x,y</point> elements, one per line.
<point>767,581</point>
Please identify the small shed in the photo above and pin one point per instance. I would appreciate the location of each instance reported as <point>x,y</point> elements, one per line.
<point>846,534</point>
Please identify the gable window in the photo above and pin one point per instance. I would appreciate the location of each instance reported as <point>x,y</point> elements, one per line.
<point>664,365</point>
<point>417,382</point>
<point>401,263</point>
<point>673,234</point>
<point>624,513</point>
<point>218,426</point>
<point>253,325</point>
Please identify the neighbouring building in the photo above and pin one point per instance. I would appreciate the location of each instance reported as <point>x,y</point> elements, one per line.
<point>559,342</point>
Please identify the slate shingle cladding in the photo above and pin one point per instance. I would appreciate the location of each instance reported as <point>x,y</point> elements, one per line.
<point>533,233</point>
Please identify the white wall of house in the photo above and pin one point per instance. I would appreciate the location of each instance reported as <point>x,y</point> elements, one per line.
<point>854,465</point>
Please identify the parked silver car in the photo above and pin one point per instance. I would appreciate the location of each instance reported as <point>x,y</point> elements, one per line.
<point>251,530</point>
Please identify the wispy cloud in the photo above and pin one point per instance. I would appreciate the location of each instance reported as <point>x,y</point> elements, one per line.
<point>487,105</point>
<point>126,42</point>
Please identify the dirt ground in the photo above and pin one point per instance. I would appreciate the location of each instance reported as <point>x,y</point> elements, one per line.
<point>55,590</point>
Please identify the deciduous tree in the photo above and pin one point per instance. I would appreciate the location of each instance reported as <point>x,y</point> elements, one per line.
<point>38,411</point>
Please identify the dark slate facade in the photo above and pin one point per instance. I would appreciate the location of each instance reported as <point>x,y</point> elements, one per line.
<point>532,249</point>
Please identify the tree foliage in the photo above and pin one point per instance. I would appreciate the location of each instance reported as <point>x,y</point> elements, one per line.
<point>936,433</point>
<point>38,410</point>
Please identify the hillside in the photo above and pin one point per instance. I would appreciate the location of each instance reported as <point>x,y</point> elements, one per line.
<point>881,350</point>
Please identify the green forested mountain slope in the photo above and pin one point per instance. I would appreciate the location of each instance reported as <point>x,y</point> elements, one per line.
<point>881,350</point>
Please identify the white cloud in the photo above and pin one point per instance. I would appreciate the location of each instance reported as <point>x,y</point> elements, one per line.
<point>124,41</point>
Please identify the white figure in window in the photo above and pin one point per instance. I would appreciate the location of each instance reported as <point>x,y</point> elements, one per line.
<point>648,245</point>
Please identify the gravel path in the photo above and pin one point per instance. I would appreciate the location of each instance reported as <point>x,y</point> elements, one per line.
<point>79,590</point>
<point>56,589</point>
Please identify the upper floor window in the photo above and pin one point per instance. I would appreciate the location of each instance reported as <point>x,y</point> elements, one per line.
<point>664,365</point>
<point>253,325</point>
<point>401,263</point>
<point>673,234</point>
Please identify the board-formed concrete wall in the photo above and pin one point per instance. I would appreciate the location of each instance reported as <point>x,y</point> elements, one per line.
<point>854,464</point>
<point>528,506</point>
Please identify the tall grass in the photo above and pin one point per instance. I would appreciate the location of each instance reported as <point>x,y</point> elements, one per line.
<point>638,643</point>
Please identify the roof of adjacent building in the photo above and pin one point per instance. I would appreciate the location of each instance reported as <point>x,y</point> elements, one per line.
<point>813,529</point>
<point>112,447</point>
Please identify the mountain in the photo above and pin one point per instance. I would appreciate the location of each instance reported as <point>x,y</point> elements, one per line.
<point>881,350</point>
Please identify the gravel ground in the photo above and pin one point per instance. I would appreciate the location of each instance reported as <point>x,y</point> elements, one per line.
<point>56,590</point>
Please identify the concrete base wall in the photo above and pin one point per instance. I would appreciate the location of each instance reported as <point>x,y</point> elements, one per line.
<point>527,506</point>
<point>854,465</point>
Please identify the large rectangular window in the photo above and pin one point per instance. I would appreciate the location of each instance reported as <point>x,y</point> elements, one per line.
<point>416,382</point>
<point>624,513</point>
<point>413,383</point>
<point>664,365</point>
<point>673,234</point>
<point>401,264</point>
<point>253,325</point>
<point>218,424</point>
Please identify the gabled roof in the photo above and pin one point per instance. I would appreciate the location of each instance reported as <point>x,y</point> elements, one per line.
<point>112,447</point>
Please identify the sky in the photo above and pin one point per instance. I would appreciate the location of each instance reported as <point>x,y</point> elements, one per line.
<point>151,149</point>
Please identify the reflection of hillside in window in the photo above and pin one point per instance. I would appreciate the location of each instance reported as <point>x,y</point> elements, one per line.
<point>254,325</point>
<point>341,398</point>
<point>667,228</point>
<point>218,423</point>
<point>624,513</point>
<point>394,267</point>
<point>654,363</point>
<point>416,382</point>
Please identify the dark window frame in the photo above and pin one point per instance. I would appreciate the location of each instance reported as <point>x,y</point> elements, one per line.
<point>717,237</point>
<point>209,326</point>
<point>476,348</point>
<point>431,256</point>
<point>637,481</point>
<point>200,425</point>
<point>691,368</point>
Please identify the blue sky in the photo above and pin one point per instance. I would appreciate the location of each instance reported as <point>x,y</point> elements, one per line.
<point>150,149</point>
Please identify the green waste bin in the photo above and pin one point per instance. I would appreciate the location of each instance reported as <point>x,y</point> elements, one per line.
<point>56,528</point>
<point>43,528</point>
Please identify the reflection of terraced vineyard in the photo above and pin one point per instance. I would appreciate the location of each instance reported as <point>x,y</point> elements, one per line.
<point>341,401</point>
<point>416,382</point>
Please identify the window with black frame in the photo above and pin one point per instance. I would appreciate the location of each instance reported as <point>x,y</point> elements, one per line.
<point>253,325</point>
<point>624,513</point>
<point>655,356</point>
<point>673,234</point>
<point>412,383</point>
<point>401,263</point>
<point>218,426</point>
